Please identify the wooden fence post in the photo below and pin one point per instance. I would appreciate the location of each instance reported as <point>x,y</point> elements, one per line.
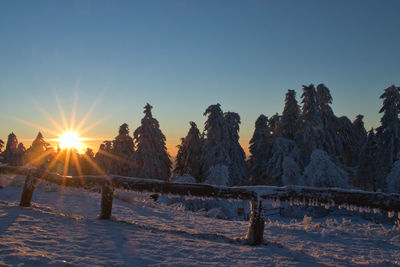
<point>106,200</point>
<point>27,191</point>
<point>255,232</point>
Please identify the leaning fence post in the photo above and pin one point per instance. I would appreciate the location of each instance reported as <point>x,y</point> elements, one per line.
<point>255,232</point>
<point>27,191</point>
<point>106,200</point>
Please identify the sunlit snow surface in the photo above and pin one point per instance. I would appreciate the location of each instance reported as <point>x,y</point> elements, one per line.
<point>62,229</point>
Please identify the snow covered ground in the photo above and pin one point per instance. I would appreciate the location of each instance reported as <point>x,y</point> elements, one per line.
<point>61,229</point>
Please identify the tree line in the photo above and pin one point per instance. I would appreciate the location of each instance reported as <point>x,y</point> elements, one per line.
<point>306,145</point>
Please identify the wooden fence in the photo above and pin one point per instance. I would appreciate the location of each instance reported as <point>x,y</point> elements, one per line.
<point>256,194</point>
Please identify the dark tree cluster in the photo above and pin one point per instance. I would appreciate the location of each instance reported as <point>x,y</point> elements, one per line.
<point>307,144</point>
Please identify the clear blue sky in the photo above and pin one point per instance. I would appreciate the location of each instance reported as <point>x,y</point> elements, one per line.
<point>182,56</point>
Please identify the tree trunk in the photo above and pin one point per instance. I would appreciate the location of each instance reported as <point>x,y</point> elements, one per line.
<point>27,192</point>
<point>255,231</point>
<point>106,200</point>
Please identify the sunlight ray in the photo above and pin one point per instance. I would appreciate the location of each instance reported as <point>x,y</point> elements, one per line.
<point>78,168</point>
<point>66,166</point>
<point>91,126</point>
<point>89,112</point>
<point>37,126</point>
<point>73,112</point>
<point>38,158</point>
<point>49,117</point>
<point>53,162</point>
<point>107,154</point>
<point>62,114</point>
<point>94,165</point>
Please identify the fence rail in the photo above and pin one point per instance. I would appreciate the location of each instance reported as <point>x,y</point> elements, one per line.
<point>256,194</point>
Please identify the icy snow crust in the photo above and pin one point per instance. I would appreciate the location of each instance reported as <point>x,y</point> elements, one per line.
<point>61,229</point>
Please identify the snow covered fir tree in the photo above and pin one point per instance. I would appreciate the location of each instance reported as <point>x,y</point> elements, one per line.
<point>122,149</point>
<point>188,158</point>
<point>151,159</point>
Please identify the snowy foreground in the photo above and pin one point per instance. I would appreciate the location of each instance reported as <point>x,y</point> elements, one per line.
<point>62,229</point>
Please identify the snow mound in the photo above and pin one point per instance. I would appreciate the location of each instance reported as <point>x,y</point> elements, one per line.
<point>186,178</point>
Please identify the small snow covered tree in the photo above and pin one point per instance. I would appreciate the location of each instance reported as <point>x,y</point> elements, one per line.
<point>290,116</point>
<point>216,144</point>
<point>21,154</point>
<point>189,154</point>
<point>389,131</point>
<point>122,149</point>
<point>291,172</point>
<point>281,149</point>
<point>151,159</point>
<point>238,170</point>
<point>218,175</point>
<point>260,152</point>
<point>10,154</point>
<point>322,172</point>
<point>393,179</point>
<point>86,161</point>
<point>103,158</point>
<point>36,154</point>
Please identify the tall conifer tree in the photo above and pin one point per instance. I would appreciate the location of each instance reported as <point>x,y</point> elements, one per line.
<point>151,159</point>
<point>260,151</point>
<point>290,115</point>
<point>123,148</point>
<point>238,170</point>
<point>215,158</point>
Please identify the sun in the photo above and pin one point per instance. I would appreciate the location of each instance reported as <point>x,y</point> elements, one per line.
<point>70,140</point>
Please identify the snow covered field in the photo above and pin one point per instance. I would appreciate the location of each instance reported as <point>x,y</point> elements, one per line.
<point>61,229</point>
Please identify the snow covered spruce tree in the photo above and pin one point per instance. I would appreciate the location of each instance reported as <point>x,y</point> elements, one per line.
<point>123,148</point>
<point>151,159</point>
<point>238,170</point>
<point>331,140</point>
<point>189,154</point>
<point>36,154</point>
<point>389,131</point>
<point>290,115</point>
<point>10,154</point>
<point>310,135</point>
<point>368,167</point>
<point>350,140</point>
<point>322,172</point>
<point>282,148</point>
<point>215,159</point>
<point>260,151</point>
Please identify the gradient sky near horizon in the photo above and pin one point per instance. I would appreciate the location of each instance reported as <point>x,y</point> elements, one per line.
<point>181,56</point>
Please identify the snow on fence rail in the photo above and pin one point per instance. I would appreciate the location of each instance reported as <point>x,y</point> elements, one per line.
<point>299,195</point>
